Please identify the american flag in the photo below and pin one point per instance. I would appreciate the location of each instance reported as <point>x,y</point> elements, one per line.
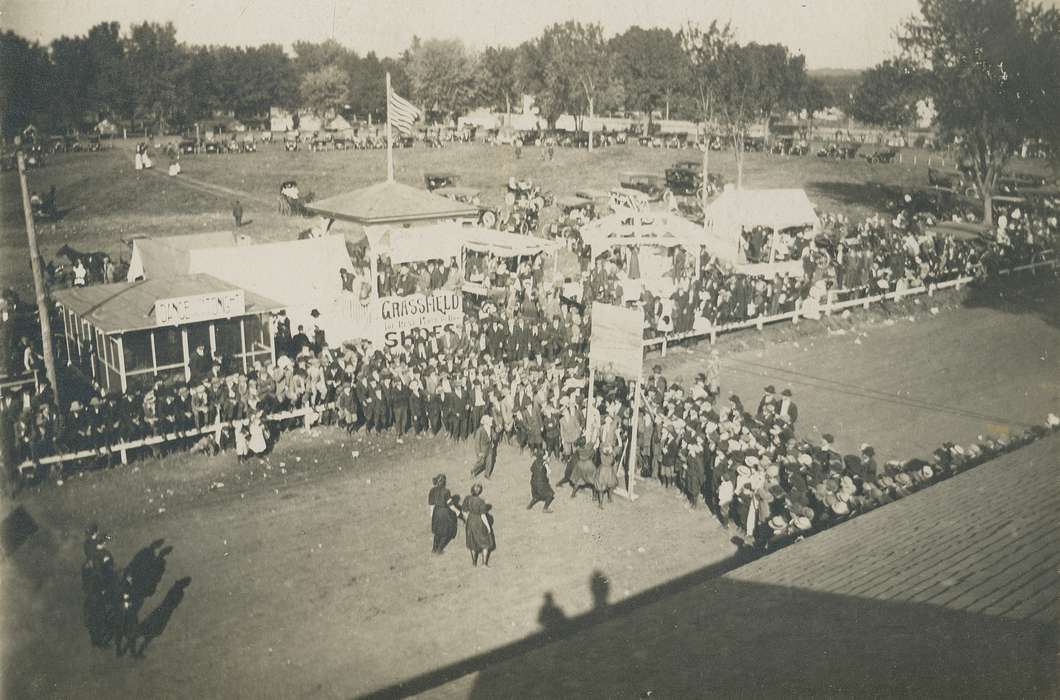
<point>402,113</point>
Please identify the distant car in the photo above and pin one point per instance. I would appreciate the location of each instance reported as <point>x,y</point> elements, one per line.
<point>186,146</point>
<point>435,181</point>
<point>884,156</point>
<point>487,216</point>
<point>650,184</point>
<point>686,178</point>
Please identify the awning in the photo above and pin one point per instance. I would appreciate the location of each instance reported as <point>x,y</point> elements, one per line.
<point>734,210</point>
<point>648,228</point>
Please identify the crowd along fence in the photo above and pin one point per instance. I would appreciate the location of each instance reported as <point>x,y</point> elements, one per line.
<point>307,414</point>
<point>122,449</point>
<point>830,306</point>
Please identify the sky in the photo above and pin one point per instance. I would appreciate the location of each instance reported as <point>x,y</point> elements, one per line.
<point>830,33</point>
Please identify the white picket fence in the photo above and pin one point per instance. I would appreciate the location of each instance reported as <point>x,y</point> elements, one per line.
<point>828,308</point>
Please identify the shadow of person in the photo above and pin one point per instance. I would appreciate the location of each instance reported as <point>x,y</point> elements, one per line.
<point>154,571</point>
<point>155,624</point>
<point>140,571</point>
<point>551,616</point>
<point>599,586</point>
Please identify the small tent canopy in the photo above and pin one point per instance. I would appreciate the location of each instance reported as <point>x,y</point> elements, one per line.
<point>339,123</point>
<point>735,210</point>
<point>506,245</point>
<point>303,275</point>
<point>648,229</point>
<point>169,256</point>
<point>391,203</point>
<point>439,241</point>
<point>446,239</point>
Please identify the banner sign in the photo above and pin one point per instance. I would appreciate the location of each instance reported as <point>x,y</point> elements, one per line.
<point>616,345</point>
<point>200,307</point>
<point>402,316</point>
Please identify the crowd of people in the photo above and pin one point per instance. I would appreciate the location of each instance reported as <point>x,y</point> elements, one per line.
<point>517,372</point>
<point>844,261</point>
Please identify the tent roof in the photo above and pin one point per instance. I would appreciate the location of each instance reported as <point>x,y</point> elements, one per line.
<point>777,209</point>
<point>390,202</point>
<point>168,256</point>
<point>299,273</point>
<point>129,306</point>
<point>446,239</point>
<point>650,228</point>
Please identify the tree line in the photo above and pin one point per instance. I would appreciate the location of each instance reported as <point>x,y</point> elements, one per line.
<point>145,74</point>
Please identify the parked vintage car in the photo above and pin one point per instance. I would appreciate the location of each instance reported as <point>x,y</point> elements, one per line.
<point>650,184</point>
<point>186,146</point>
<point>887,155</point>
<point>487,216</point>
<point>434,181</point>
<point>686,178</point>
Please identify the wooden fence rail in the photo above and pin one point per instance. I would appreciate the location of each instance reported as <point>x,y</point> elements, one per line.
<point>122,448</point>
<point>828,308</point>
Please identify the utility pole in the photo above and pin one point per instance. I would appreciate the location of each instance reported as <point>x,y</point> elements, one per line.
<point>38,281</point>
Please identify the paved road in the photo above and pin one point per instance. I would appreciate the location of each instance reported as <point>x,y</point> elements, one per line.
<point>951,592</point>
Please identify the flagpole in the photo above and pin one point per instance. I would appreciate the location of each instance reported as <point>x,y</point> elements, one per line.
<point>389,135</point>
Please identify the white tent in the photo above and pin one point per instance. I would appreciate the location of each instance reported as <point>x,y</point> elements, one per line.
<point>303,275</point>
<point>735,211</point>
<point>643,229</point>
<point>169,256</point>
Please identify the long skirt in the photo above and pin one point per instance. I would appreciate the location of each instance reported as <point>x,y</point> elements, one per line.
<point>443,524</point>
<point>606,478</point>
<point>478,536</point>
<point>584,473</point>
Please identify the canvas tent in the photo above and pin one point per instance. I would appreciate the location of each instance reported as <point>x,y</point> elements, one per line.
<point>303,275</point>
<point>735,211</point>
<point>169,256</point>
<point>645,229</point>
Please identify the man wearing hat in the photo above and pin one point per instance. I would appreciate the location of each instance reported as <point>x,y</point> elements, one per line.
<point>485,448</point>
<point>787,411</point>
<point>768,398</point>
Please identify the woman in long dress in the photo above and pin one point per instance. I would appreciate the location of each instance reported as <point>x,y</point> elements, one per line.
<point>584,473</point>
<point>443,515</point>
<point>606,479</point>
<point>258,442</point>
<point>478,530</point>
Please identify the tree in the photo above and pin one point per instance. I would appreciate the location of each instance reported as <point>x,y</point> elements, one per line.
<point>575,67</point>
<point>25,76</point>
<point>111,93</point>
<point>442,75</point>
<point>754,82</point>
<point>154,59</point>
<point>992,69</point>
<point>497,77</point>
<point>324,91</point>
<point>652,67</point>
<point>703,50</point>
<point>888,94</point>
<point>368,87</point>
<point>530,75</point>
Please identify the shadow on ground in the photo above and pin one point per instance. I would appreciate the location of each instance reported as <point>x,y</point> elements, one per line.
<point>1036,293</point>
<point>710,634</point>
<point>731,638</point>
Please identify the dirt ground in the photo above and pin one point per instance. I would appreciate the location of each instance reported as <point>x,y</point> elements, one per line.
<point>312,574</point>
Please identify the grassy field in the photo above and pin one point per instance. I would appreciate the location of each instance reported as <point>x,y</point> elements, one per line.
<point>105,199</point>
